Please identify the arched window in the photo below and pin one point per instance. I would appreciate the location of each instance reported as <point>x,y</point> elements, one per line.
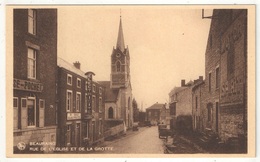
<point>118,66</point>
<point>110,113</point>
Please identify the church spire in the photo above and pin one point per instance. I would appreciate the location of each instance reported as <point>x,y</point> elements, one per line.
<point>120,39</point>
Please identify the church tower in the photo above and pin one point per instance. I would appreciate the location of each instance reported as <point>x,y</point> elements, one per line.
<point>120,62</point>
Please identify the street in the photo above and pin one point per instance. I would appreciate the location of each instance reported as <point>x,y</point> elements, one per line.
<point>143,141</point>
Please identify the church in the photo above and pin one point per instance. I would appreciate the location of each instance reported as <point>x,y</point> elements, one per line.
<point>118,91</point>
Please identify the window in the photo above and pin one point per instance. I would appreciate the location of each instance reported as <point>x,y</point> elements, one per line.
<point>68,134</point>
<point>31,112</point>
<point>100,90</point>
<point>209,81</point>
<point>78,101</point>
<point>69,100</point>
<point>93,103</point>
<point>15,113</point>
<point>118,66</point>
<point>31,64</point>
<point>100,104</point>
<point>41,112</point>
<point>217,78</point>
<point>78,82</point>
<point>110,113</point>
<point>32,21</point>
<point>69,79</point>
<point>196,103</point>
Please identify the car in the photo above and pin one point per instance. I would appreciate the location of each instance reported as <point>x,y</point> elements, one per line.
<point>135,127</point>
<point>148,123</point>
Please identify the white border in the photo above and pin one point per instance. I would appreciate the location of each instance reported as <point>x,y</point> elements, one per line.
<point>3,74</point>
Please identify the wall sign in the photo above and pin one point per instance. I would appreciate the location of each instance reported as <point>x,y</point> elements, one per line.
<point>73,116</point>
<point>26,85</point>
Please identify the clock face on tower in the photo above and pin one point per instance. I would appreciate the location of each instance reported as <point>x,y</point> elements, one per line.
<point>118,55</point>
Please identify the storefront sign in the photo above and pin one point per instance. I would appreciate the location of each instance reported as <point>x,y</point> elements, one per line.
<point>26,85</point>
<point>73,116</point>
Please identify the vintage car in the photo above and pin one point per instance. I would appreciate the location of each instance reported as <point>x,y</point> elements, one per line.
<point>135,127</point>
<point>164,132</point>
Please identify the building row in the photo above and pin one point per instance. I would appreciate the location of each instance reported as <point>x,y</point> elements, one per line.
<point>55,102</point>
<point>219,102</point>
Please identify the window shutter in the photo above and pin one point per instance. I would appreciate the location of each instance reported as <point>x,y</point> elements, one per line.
<point>41,112</point>
<point>15,113</point>
<point>24,121</point>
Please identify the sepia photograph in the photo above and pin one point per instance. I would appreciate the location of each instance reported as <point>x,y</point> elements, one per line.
<point>137,80</point>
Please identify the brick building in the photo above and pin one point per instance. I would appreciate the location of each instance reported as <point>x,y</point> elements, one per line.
<point>225,99</point>
<point>35,61</point>
<point>80,109</point>
<point>153,113</point>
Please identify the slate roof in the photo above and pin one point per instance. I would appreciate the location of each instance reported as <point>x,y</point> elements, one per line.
<point>66,65</point>
<point>156,106</point>
<point>111,94</point>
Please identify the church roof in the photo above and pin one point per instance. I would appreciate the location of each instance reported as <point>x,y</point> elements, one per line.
<point>110,94</point>
<point>156,106</point>
<point>120,39</point>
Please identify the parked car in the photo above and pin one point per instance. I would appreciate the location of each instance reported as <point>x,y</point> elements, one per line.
<point>148,123</point>
<point>135,127</point>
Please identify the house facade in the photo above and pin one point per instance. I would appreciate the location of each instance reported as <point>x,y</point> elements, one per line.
<point>81,106</point>
<point>34,76</point>
<point>225,103</point>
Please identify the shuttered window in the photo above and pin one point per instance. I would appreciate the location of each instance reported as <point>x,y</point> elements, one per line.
<point>23,113</point>
<point>15,113</point>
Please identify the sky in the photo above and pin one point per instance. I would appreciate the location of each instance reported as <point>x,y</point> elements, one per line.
<point>166,44</point>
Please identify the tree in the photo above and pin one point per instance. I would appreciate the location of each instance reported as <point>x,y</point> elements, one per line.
<point>135,111</point>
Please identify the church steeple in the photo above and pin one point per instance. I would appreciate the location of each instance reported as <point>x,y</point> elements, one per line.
<point>120,39</point>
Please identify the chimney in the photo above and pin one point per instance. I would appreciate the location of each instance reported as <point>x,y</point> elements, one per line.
<point>77,64</point>
<point>183,82</point>
<point>201,78</point>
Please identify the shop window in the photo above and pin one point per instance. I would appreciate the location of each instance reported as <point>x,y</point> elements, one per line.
<point>31,63</point>
<point>32,21</point>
